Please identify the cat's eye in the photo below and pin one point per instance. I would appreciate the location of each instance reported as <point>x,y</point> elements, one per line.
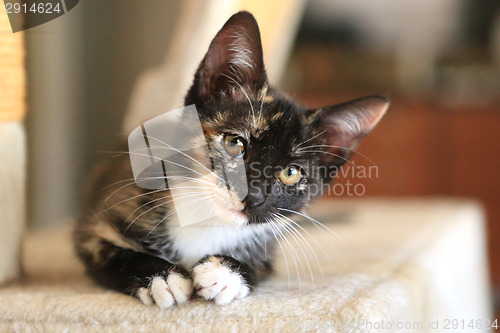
<point>290,175</point>
<point>234,145</point>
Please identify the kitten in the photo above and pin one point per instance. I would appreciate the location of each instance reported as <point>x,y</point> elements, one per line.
<point>126,238</point>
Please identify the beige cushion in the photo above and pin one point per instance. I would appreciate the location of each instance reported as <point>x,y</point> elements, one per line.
<point>401,261</point>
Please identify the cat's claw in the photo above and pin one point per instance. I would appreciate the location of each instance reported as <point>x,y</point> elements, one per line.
<point>217,282</point>
<point>175,289</point>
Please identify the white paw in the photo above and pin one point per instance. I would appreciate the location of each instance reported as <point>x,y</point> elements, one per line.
<point>176,289</point>
<point>214,281</point>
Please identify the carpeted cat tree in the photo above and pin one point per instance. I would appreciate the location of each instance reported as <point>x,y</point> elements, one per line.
<point>403,264</point>
<point>12,149</point>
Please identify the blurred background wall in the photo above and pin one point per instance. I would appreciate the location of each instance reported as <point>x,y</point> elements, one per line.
<point>82,68</point>
<point>439,62</point>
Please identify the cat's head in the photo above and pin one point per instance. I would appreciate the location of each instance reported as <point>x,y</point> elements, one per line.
<point>290,152</point>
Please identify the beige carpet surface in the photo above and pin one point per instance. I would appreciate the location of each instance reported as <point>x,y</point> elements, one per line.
<point>398,263</point>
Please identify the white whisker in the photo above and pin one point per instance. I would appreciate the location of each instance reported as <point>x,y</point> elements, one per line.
<point>314,137</point>
<point>332,154</point>
<point>263,97</point>
<point>246,95</point>
<point>272,228</point>
<point>289,231</point>
<point>306,242</point>
<point>171,212</point>
<point>316,222</point>
<point>292,252</point>
<point>183,153</point>
<point>340,147</point>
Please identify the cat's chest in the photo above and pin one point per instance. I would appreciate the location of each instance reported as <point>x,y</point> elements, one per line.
<point>192,243</point>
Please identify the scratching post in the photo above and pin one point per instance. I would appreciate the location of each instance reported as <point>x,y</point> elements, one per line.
<point>12,148</point>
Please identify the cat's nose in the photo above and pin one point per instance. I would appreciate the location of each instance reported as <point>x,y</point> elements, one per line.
<point>254,200</point>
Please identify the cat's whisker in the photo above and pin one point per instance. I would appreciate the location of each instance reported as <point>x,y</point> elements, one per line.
<point>299,244</point>
<point>129,184</point>
<point>316,222</point>
<point>307,232</point>
<point>332,154</point>
<point>310,139</point>
<point>153,157</point>
<point>295,257</point>
<point>132,198</point>
<point>154,207</point>
<point>236,74</point>
<point>265,246</point>
<point>167,146</point>
<point>262,241</point>
<point>183,153</point>
<point>143,179</point>
<point>158,158</point>
<point>263,97</point>
<point>158,199</point>
<point>311,250</point>
<point>325,254</point>
<point>143,194</point>
<point>162,220</point>
<point>130,224</point>
<point>170,213</point>
<point>135,182</point>
<point>163,159</point>
<point>194,180</point>
<point>246,95</point>
<point>210,196</point>
<point>129,180</point>
<point>163,198</point>
<point>272,228</point>
<point>340,147</point>
<point>211,210</point>
<point>117,153</point>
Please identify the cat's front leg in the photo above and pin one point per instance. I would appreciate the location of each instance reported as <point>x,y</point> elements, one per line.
<point>150,279</point>
<point>222,279</point>
<point>164,288</point>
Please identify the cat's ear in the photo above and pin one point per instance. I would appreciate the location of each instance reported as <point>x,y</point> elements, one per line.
<point>338,129</point>
<point>234,60</point>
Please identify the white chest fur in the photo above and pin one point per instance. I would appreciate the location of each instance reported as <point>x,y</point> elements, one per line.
<point>195,242</point>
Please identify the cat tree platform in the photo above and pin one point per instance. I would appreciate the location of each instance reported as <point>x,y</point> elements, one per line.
<point>403,262</point>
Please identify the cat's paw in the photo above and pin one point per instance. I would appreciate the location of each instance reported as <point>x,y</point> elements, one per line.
<point>166,290</point>
<point>215,280</point>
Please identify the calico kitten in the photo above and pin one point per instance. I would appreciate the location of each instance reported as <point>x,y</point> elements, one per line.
<point>125,238</point>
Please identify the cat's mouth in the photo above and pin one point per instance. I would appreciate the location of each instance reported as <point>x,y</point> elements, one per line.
<point>237,212</point>
<point>232,214</point>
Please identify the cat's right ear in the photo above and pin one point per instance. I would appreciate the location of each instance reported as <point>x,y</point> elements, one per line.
<point>233,65</point>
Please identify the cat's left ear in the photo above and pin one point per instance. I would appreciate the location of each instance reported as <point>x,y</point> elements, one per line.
<point>338,129</point>
<point>233,61</point>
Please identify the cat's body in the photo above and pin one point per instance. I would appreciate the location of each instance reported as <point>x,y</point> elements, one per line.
<point>104,234</point>
<point>127,238</point>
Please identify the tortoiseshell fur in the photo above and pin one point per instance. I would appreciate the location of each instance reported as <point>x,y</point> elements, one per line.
<point>125,240</point>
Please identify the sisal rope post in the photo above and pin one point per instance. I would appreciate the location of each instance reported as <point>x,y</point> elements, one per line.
<point>12,74</point>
